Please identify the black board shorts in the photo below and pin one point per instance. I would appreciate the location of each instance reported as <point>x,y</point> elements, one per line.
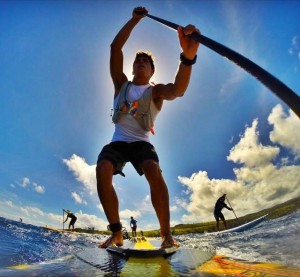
<point>120,152</point>
<point>218,216</point>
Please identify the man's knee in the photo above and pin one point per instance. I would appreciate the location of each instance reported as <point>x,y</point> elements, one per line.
<point>151,167</point>
<point>104,168</point>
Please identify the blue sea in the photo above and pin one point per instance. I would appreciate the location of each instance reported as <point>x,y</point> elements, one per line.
<point>272,241</point>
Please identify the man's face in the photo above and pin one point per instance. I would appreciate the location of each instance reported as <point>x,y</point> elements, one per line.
<point>142,66</point>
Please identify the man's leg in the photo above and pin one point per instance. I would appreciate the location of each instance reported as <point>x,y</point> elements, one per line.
<point>218,228</point>
<point>109,200</point>
<point>160,200</point>
<point>224,221</point>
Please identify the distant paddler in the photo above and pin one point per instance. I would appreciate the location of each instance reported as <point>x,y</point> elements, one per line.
<point>220,204</point>
<point>133,226</point>
<point>73,218</point>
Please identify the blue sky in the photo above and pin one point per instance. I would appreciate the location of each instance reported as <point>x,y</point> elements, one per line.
<point>228,134</point>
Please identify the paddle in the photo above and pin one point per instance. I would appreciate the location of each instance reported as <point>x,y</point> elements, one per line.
<point>64,219</point>
<point>280,89</point>
<point>231,207</point>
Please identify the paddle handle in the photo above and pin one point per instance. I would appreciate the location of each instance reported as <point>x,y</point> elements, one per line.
<point>282,91</point>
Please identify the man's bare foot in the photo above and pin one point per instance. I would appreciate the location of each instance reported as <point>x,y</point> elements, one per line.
<point>115,239</point>
<point>168,241</point>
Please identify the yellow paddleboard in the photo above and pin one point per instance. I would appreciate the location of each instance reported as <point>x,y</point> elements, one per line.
<point>141,247</point>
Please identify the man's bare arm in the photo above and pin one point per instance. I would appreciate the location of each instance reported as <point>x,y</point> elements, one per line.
<point>182,78</point>
<point>116,54</point>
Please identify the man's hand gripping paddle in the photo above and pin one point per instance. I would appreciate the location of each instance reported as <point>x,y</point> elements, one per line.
<point>282,91</point>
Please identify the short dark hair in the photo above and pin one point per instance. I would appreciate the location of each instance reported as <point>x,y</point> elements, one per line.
<point>147,55</point>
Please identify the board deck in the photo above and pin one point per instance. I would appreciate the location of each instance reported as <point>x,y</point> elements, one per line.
<point>141,247</point>
<point>181,262</point>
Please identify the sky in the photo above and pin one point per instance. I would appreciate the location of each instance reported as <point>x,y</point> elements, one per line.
<point>228,134</point>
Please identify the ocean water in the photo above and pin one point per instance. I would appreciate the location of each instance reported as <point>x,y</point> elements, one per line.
<point>272,241</point>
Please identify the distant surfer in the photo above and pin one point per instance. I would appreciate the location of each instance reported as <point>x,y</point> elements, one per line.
<point>136,105</point>
<point>220,204</point>
<point>73,219</point>
<point>133,226</point>
<point>21,220</point>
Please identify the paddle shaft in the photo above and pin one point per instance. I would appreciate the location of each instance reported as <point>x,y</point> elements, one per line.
<point>231,207</point>
<point>282,91</point>
<point>63,219</point>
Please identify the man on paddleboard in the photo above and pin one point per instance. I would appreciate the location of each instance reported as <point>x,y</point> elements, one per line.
<point>73,219</point>
<point>136,105</point>
<point>220,204</point>
<point>133,226</point>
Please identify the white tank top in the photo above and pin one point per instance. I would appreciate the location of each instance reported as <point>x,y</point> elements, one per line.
<point>127,128</point>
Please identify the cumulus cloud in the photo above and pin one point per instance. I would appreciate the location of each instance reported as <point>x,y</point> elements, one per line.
<point>54,218</point>
<point>26,183</point>
<point>258,182</point>
<point>83,172</point>
<point>32,211</point>
<point>250,151</point>
<point>125,214</point>
<point>78,199</point>
<point>89,221</point>
<point>285,129</point>
<point>38,188</point>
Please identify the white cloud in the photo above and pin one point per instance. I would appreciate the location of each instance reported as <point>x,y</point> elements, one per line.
<point>78,199</point>
<point>258,183</point>
<point>125,214</point>
<point>38,188</point>
<point>89,220</point>
<point>173,208</point>
<point>250,152</point>
<point>295,47</point>
<point>286,129</point>
<point>25,182</point>
<point>100,207</point>
<point>32,211</point>
<point>145,205</point>
<point>83,172</point>
<point>55,218</point>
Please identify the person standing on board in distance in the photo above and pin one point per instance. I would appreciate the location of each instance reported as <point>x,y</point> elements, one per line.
<point>73,219</point>
<point>136,105</point>
<point>220,204</point>
<point>133,226</point>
